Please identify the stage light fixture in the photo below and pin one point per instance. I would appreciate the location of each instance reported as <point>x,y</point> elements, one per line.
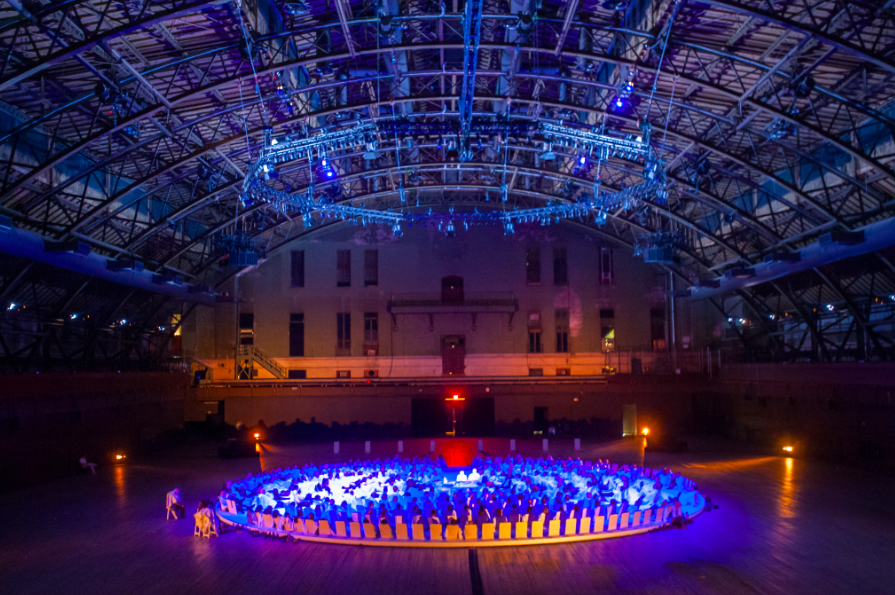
<point>645,431</point>
<point>787,448</point>
<point>11,306</point>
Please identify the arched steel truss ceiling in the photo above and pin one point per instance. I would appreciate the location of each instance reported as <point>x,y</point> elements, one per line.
<point>227,46</point>
<point>316,88</point>
<point>85,220</point>
<point>718,204</point>
<point>721,90</point>
<point>708,100</point>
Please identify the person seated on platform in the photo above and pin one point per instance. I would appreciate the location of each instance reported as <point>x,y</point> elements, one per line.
<point>465,515</point>
<point>259,516</point>
<point>417,518</point>
<point>515,514</point>
<point>461,477</point>
<point>483,517</point>
<point>450,516</point>
<point>433,518</point>
<point>475,476</point>
<point>86,465</point>
<point>499,519</point>
<point>174,504</point>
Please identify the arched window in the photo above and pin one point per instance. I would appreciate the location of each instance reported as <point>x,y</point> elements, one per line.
<point>452,289</point>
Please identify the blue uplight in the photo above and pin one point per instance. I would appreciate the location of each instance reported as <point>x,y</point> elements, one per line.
<point>619,102</point>
<point>329,174</point>
<point>582,159</point>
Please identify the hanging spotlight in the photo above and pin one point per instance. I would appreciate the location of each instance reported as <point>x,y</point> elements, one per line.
<point>548,154</point>
<point>371,153</point>
<point>802,89</point>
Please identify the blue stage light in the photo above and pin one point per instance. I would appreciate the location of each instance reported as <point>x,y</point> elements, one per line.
<point>329,173</point>
<point>619,102</point>
<point>582,159</point>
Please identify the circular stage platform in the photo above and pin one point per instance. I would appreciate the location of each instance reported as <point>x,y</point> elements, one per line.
<point>425,503</point>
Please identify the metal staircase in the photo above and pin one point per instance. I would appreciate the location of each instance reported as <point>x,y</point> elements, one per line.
<point>262,359</point>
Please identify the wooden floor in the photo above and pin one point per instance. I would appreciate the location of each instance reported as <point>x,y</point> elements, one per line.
<point>781,527</point>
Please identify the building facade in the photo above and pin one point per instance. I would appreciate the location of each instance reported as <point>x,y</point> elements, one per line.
<point>354,302</point>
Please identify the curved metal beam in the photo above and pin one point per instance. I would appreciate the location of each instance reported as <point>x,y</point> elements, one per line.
<point>69,51</point>
<point>776,18</point>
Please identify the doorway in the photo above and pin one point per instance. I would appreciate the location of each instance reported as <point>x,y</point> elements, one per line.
<point>453,356</point>
<point>541,420</point>
<point>452,290</point>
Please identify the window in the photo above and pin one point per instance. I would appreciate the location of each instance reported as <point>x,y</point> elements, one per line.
<point>534,341</point>
<point>562,331</point>
<point>371,327</point>
<point>533,266</point>
<point>343,268</point>
<point>536,371</point>
<point>371,268</point>
<point>607,329</point>
<point>563,371</point>
<point>296,335</point>
<point>343,373</point>
<point>534,332</point>
<point>246,328</point>
<point>606,267</point>
<point>298,268</point>
<point>560,267</point>
<point>657,328</point>
<point>298,374</point>
<point>343,331</point>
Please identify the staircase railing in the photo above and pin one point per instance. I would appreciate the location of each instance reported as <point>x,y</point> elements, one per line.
<point>262,358</point>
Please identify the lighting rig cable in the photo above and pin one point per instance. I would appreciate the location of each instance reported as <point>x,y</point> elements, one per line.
<point>649,104</point>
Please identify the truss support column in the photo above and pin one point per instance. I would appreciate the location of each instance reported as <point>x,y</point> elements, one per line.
<point>236,327</point>
<point>671,318</point>
<point>472,29</point>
